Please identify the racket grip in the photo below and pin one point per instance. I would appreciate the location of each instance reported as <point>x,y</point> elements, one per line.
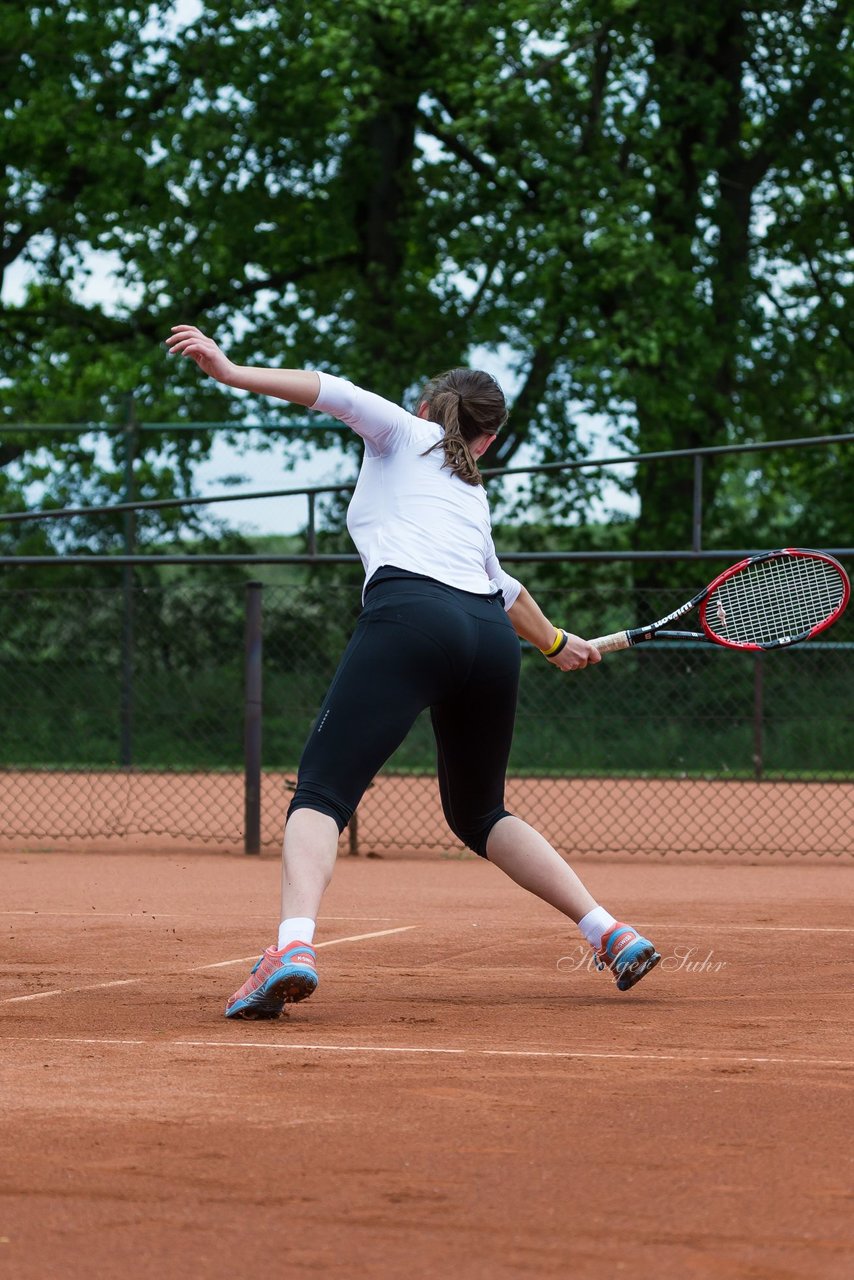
<point>610,644</point>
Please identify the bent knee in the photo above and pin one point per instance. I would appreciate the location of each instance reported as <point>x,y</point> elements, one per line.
<point>475,832</point>
<point>311,795</point>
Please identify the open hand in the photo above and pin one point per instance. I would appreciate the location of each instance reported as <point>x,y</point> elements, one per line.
<point>187,340</point>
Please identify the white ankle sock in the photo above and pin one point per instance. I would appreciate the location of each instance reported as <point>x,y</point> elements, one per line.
<point>595,924</point>
<point>295,929</point>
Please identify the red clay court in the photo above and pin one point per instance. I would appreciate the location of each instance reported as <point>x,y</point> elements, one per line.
<point>464,1096</point>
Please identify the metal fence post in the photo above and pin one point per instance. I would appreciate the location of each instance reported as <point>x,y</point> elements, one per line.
<point>128,575</point>
<point>758,717</point>
<point>311,528</point>
<point>252,720</point>
<point>697,513</point>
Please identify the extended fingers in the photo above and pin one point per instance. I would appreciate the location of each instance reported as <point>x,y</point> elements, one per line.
<point>192,345</point>
<point>185,328</point>
<point>189,347</point>
<point>182,335</point>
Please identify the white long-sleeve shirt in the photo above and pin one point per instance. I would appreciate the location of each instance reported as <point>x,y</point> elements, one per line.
<point>408,510</point>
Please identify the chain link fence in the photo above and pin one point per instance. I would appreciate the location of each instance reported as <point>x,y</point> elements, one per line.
<point>113,736</point>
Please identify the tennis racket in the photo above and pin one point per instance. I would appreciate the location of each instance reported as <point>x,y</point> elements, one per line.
<point>767,601</point>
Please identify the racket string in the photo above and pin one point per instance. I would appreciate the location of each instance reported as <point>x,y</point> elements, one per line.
<point>775,599</point>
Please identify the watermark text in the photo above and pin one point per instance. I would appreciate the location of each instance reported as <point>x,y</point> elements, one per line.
<point>681,959</point>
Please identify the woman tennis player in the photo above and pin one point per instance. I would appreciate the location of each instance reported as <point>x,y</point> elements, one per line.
<point>440,628</point>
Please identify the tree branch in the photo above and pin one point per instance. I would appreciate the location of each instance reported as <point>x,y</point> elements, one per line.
<point>502,451</point>
<point>791,115</point>
<point>821,290</point>
<point>457,147</point>
<point>599,80</point>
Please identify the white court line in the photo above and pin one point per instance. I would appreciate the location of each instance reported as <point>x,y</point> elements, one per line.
<point>331,1048</point>
<point>36,995</point>
<point>92,986</point>
<point>751,928</point>
<point>688,1058</point>
<point>69,1040</point>
<point>333,942</point>
<point>220,964</point>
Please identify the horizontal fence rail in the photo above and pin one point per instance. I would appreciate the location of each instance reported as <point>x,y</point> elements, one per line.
<point>311,493</point>
<point>507,557</point>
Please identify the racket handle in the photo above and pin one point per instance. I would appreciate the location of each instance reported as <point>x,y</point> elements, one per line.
<point>610,644</point>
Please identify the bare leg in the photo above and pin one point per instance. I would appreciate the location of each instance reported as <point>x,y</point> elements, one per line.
<point>528,858</point>
<point>308,860</point>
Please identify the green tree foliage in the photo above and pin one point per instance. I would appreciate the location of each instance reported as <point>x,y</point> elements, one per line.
<point>84,89</point>
<point>643,208</point>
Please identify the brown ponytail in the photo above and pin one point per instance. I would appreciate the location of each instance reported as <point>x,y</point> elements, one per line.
<point>467,403</point>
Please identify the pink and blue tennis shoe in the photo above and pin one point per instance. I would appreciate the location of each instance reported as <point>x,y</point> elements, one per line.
<point>279,978</point>
<point>628,955</point>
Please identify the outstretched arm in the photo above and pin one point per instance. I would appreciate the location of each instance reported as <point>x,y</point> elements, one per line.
<point>531,624</point>
<point>299,386</point>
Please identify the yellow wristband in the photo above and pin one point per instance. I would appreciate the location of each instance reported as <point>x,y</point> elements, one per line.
<point>557,644</point>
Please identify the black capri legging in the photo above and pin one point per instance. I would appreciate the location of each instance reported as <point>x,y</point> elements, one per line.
<point>417,644</point>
